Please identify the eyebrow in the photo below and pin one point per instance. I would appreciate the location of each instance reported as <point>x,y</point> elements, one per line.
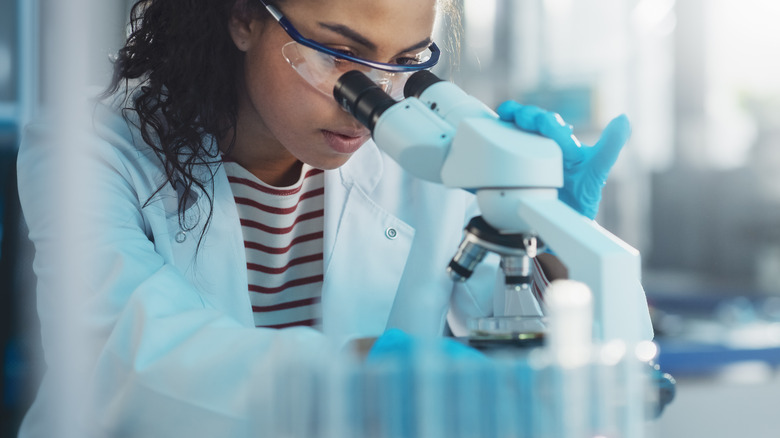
<point>360,39</point>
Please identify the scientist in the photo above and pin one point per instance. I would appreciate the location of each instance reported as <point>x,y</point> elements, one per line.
<point>234,210</point>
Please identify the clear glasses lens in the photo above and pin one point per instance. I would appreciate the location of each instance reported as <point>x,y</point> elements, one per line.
<point>322,70</point>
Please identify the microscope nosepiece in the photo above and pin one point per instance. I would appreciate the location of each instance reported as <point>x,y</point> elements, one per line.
<point>466,260</point>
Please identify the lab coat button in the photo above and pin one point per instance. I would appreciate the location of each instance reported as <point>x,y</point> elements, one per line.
<point>181,236</point>
<point>391,233</point>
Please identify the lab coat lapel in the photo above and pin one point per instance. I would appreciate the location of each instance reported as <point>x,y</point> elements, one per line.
<point>365,249</point>
<point>218,267</point>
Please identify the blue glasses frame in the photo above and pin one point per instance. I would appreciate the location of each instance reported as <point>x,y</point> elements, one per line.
<point>300,39</point>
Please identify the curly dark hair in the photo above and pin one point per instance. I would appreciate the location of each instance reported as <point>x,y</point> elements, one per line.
<point>186,65</point>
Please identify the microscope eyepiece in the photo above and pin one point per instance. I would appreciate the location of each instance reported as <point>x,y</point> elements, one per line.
<point>419,82</point>
<point>361,97</point>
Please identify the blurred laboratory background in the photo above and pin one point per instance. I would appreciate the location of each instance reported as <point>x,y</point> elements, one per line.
<point>696,190</point>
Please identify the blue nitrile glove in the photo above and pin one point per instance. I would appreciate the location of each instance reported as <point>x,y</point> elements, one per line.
<point>585,168</point>
<point>397,344</point>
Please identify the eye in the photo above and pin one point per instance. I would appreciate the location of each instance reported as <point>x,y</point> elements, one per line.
<point>342,51</point>
<point>340,61</point>
<point>346,52</point>
<point>413,58</point>
<point>408,60</point>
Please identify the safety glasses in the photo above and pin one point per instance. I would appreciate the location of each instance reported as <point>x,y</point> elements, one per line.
<point>321,66</point>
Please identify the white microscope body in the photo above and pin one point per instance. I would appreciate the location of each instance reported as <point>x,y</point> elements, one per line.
<point>444,135</point>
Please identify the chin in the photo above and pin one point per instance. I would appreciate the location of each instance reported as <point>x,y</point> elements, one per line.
<point>331,163</point>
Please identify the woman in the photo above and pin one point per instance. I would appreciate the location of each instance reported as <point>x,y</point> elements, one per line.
<point>236,213</point>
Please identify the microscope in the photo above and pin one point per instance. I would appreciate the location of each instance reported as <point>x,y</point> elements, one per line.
<point>441,134</point>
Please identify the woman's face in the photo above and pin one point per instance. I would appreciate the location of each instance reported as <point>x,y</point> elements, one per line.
<point>280,114</point>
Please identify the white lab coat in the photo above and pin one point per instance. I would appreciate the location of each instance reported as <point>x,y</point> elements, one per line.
<point>172,349</point>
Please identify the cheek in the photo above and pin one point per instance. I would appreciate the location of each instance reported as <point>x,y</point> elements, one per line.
<point>267,78</point>
<point>281,97</point>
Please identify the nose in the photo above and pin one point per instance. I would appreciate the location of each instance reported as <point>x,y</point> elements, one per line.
<point>385,84</point>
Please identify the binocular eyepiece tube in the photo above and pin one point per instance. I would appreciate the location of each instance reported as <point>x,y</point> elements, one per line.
<point>366,100</point>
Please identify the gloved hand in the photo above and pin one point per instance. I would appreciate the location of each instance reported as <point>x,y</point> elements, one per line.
<point>585,168</point>
<point>396,344</point>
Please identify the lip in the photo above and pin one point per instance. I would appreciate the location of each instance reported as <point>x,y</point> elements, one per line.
<point>345,142</point>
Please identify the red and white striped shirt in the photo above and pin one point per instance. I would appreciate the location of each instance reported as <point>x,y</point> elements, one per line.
<point>282,229</point>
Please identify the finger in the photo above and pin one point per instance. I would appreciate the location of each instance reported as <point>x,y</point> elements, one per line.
<point>524,116</point>
<point>610,144</point>
<point>552,126</point>
<point>392,342</point>
<point>549,124</point>
<point>506,111</point>
<point>532,118</point>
